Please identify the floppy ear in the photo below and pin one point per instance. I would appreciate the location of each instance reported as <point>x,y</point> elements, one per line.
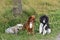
<point>41,19</point>
<point>47,19</point>
<point>29,19</point>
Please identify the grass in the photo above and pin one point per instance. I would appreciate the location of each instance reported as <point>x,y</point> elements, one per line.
<point>30,7</point>
<point>22,35</point>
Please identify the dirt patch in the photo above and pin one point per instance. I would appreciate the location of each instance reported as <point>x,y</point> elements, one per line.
<point>58,37</point>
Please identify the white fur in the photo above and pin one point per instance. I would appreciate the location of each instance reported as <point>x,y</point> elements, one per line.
<point>19,25</point>
<point>43,21</point>
<point>30,24</point>
<point>40,28</point>
<point>11,30</point>
<point>44,31</point>
<point>14,29</point>
<point>49,31</point>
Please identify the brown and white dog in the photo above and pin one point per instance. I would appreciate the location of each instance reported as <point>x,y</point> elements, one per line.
<point>29,25</point>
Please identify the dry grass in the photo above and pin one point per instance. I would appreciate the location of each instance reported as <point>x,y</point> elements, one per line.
<point>42,6</point>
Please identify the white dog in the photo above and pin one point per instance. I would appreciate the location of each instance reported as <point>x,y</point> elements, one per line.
<point>14,29</point>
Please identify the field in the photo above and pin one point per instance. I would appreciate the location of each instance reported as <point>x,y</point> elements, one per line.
<point>30,7</point>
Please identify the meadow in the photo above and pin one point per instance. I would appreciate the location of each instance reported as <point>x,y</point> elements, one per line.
<point>51,8</point>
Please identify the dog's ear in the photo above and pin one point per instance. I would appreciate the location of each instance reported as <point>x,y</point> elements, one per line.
<point>47,19</point>
<point>40,19</point>
<point>29,19</point>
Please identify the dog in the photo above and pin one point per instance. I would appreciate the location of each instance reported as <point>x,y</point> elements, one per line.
<point>44,25</point>
<point>14,29</point>
<point>29,25</point>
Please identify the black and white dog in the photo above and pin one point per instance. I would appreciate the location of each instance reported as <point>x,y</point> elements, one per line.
<point>44,25</point>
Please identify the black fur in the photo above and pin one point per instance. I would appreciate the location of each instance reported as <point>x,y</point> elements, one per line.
<point>44,17</point>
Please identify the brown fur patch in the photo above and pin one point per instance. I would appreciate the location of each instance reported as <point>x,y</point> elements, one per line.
<point>27,25</point>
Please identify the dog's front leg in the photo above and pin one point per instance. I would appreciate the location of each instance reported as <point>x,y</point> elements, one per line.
<point>44,31</point>
<point>15,31</point>
<point>40,28</point>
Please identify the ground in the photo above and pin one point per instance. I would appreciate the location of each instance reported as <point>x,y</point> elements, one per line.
<point>58,37</point>
<point>51,8</point>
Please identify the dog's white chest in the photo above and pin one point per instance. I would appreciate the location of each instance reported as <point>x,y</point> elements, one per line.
<point>30,24</point>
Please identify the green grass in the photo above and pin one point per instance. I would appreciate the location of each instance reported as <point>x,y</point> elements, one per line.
<point>40,7</point>
<point>22,35</point>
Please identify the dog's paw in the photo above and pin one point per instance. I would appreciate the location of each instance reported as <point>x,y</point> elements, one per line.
<point>49,31</point>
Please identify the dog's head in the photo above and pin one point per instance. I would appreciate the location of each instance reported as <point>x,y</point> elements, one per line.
<point>19,26</point>
<point>31,18</point>
<point>44,19</point>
